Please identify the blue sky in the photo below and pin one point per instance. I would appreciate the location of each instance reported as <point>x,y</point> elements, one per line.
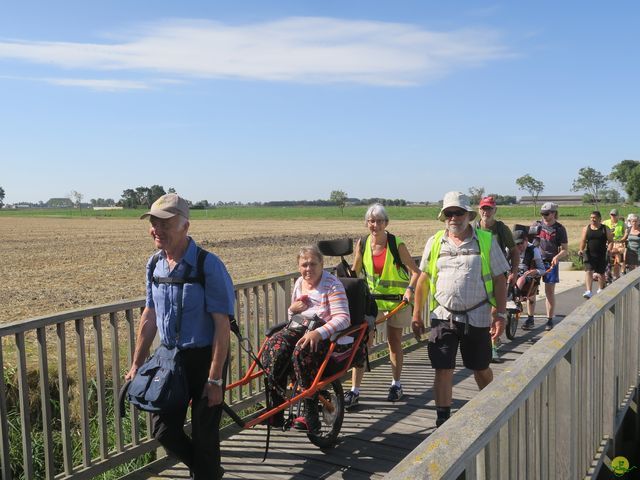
<point>258,101</point>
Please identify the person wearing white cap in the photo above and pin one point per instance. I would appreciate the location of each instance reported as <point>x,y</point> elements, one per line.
<point>463,274</point>
<point>616,249</point>
<point>190,298</point>
<point>554,247</point>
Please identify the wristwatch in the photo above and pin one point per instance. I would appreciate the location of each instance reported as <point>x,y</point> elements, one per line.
<point>502,315</point>
<point>215,381</point>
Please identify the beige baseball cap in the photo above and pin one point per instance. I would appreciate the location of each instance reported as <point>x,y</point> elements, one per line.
<point>168,206</point>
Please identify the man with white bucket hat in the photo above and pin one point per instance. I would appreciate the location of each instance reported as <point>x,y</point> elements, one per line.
<point>463,276</point>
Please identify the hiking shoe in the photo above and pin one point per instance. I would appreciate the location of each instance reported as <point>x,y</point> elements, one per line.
<point>351,399</point>
<point>395,393</point>
<point>587,294</point>
<point>300,423</point>
<point>495,358</point>
<point>528,324</point>
<point>549,325</point>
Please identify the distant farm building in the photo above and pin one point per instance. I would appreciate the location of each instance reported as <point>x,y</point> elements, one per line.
<point>559,199</point>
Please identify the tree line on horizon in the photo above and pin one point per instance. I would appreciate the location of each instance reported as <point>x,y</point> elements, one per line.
<point>594,185</point>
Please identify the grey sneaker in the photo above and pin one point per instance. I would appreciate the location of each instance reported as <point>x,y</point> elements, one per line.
<point>351,399</point>
<point>549,325</point>
<point>395,393</point>
<point>495,357</point>
<point>528,324</point>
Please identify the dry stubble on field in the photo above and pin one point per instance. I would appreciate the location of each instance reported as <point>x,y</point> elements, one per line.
<point>53,265</point>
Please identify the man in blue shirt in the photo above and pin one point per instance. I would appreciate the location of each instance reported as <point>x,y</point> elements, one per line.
<point>195,317</point>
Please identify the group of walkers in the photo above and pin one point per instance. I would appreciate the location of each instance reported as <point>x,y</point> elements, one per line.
<point>608,248</point>
<point>466,274</point>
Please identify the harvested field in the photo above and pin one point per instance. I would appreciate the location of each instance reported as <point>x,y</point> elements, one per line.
<point>52,265</point>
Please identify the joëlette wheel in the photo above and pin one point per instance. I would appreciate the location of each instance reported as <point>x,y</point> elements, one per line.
<point>331,409</point>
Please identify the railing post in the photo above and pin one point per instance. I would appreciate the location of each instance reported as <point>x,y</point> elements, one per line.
<point>115,373</point>
<point>83,387</point>
<point>561,445</point>
<point>43,366</point>
<point>63,380</point>
<point>609,405</point>
<point>25,417</point>
<point>5,466</point>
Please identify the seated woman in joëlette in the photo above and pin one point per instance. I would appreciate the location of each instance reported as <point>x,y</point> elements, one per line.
<point>319,308</point>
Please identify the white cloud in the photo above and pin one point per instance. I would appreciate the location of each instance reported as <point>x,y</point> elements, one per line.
<point>297,49</point>
<point>109,85</point>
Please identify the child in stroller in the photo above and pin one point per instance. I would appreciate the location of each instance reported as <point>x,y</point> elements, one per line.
<point>530,271</point>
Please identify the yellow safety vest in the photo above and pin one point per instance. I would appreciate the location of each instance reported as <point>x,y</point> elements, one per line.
<point>393,280</point>
<point>618,230</point>
<point>484,242</point>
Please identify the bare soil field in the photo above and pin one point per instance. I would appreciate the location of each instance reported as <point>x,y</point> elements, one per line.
<point>52,265</point>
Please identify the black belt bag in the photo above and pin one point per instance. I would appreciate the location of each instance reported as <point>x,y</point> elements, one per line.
<point>301,324</point>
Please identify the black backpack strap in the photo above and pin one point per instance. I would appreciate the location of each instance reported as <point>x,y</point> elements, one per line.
<point>152,266</point>
<point>202,256</point>
<point>363,243</point>
<point>198,278</point>
<point>393,246</point>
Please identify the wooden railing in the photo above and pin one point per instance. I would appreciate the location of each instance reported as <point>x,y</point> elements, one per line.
<point>555,413</point>
<point>59,414</point>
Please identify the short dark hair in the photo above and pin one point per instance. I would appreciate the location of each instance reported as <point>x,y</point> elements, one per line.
<point>596,213</point>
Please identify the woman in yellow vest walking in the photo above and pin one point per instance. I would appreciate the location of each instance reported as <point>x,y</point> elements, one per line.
<point>389,269</point>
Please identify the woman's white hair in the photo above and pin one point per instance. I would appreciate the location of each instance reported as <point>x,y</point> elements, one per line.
<point>632,216</point>
<point>376,211</point>
<point>312,250</point>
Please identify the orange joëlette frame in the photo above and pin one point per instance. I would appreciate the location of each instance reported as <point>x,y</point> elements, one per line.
<point>318,382</point>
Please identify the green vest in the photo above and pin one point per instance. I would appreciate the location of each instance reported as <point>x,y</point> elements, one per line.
<point>393,280</point>
<point>618,230</point>
<point>484,242</point>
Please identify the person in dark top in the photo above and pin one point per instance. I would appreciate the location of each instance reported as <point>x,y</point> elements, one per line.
<point>593,249</point>
<point>554,247</point>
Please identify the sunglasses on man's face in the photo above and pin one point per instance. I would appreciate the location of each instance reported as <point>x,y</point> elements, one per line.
<point>544,214</point>
<point>454,213</point>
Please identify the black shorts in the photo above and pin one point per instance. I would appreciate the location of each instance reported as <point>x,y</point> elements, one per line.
<point>475,347</point>
<point>596,264</point>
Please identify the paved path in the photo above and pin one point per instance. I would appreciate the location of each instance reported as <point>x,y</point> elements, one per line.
<point>376,435</point>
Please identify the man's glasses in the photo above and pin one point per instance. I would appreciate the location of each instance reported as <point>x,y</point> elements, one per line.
<point>544,214</point>
<point>454,213</point>
<point>613,214</point>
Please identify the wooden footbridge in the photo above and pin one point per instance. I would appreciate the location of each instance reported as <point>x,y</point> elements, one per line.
<point>561,406</point>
